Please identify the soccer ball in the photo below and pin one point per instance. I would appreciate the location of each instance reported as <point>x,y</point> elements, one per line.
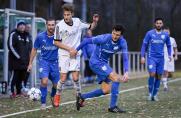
<point>34,94</point>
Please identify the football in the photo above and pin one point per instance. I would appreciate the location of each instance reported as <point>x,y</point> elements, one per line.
<point>34,94</point>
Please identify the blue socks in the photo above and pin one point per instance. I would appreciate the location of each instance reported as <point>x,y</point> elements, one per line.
<point>94,93</point>
<point>156,87</point>
<point>151,84</point>
<point>114,94</point>
<point>54,90</point>
<point>43,94</point>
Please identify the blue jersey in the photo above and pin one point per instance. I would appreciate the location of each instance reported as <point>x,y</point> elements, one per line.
<point>154,44</point>
<point>44,42</point>
<point>105,48</point>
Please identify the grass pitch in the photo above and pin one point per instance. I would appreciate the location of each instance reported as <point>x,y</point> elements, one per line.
<point>133,101</point>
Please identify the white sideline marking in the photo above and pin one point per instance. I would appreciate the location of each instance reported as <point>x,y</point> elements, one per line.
<point>70,102</point>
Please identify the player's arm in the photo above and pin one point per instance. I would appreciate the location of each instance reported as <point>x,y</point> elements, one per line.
<point>175,50</point>
<point>58,40</point>
<point>168,44</point>
<point>94,22</point>
<point>32,56</point>
<point>33,53</point>
<point>144,47</point>
<point>59,44</point>
<point>125,61</point>
<point>94,40</point>
<point>92,25</point>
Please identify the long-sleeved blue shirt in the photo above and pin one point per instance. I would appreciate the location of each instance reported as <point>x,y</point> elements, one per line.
<point>154,42</point>
<point>49,51</point>
<point>105,48</point>
<point>88,49</point>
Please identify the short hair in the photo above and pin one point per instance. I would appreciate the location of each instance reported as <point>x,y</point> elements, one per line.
<point>68,7</point>
<point>50,19</point>
<point>159,18</point>
<point>119,28</point>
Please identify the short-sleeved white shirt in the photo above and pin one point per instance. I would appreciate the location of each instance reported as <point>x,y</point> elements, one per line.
<point>69,35</point>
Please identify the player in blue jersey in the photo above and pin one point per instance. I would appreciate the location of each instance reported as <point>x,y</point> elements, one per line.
<point>48,60</point>
<point>153,43</point>
<point>106,46</point>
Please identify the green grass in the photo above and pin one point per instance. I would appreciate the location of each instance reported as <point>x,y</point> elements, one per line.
<point>134,102</point>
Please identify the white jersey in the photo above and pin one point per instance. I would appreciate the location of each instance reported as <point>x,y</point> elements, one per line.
<point>173,45</point>
<point>69,35</point>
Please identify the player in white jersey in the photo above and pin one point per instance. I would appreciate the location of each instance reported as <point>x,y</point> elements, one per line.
<point>169,66</point>
<point>67,37</point>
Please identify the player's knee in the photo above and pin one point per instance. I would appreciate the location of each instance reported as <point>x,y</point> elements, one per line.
<point>152,74</point>
<point>44,82</point>
<point>106,88</point>
<point>63,77</point>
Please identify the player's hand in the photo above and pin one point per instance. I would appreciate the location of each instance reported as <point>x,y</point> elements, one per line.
<point>170,59</point>
<point>73,52</point>
<point>142,60</point>
<point>29,67</point>
<point>176,58</point>
<point>95,17</point>
<point>125,77</point>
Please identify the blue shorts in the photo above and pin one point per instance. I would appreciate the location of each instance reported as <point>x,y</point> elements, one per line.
<point>155,65</point>
<point>102,70</point>
<point>49,69</point>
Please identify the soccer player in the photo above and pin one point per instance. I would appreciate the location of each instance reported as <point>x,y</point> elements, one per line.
<point>153,43</point>
<point>169,66</point>
<point>106,46</point>
<point>48,60</point>
<point>67,37</point>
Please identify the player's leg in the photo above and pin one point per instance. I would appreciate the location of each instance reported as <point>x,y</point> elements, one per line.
<point>54,76</point>
<point>105,89</point>
<point>75,68</point>
<point>114,77</point>
<point>64,66</point>
<point>159,72</point>
<point>165,79</point>
<point>165,74</point>
<point>151,79</point>
<point>77,86</point>
<point>43,73</point>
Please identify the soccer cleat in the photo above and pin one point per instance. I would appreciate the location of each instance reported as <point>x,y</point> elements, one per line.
<point>149,98</point>
<point>56,100</point>
<point>13,95</point>
<point>79,101</point>
<point>43,106</point>
<point>165,89</point>
<point>116,110</point>
<point>155,98</point>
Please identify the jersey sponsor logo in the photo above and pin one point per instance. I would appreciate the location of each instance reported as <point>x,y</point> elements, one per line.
<point>108,51</point>
<point>49,47</point>
<point>156,41</point>
<point>104,68</point>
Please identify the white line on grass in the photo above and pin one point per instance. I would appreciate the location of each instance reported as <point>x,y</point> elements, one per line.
<point>70,102</point>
